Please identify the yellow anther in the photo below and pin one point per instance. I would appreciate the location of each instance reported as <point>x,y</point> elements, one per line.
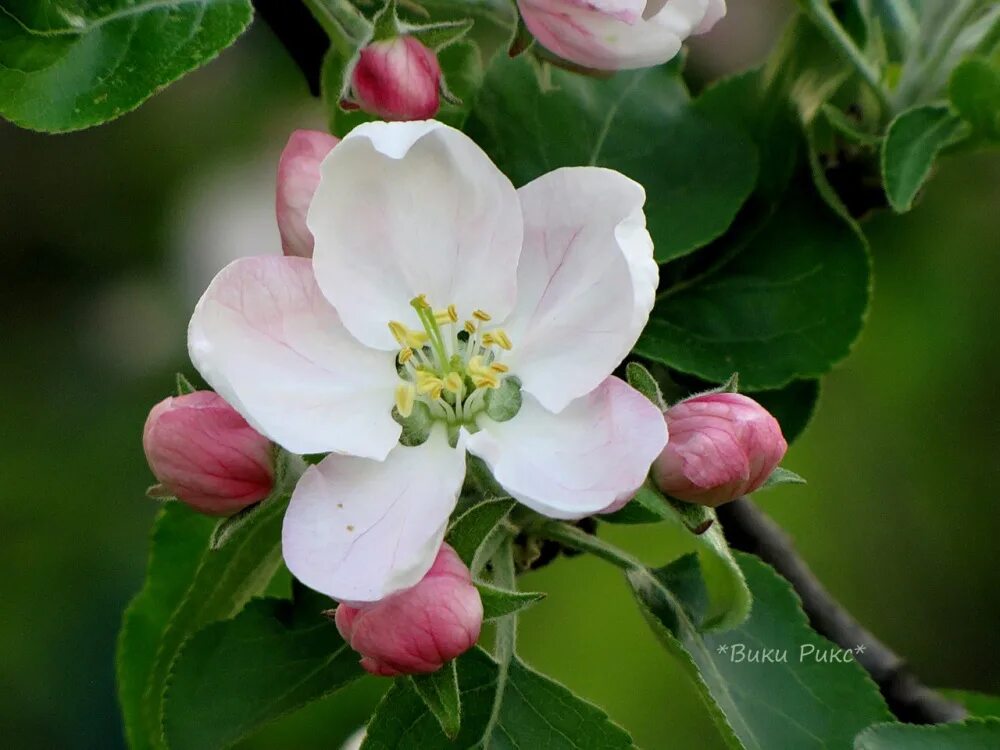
<point>470,327</point>
<point>453,383</point>
<point>502,339</point>
<point>407,337</point>
<point>499,367</point>
<point>430,384</point>
<point>406,394</point>
<point>481,315</point>
<point>423,376</point>
<point>486,381</point>
<point>405,355</point>
<point>448,315</point>
<point>476,366</point>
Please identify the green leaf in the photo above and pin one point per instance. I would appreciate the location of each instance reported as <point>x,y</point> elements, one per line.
<point>641,379</point>
<point>178,540</point>
<point>535,712</point>
<point>781,476</point>
<point>178,599</point>
<point>975,93</point>
<point>972,734</point>
<point>912,142</point>
<point>66,65</point>
<point>237,675</point>
<point>848,128</point>
<point>728,599</point>
<point>696,173</point>
<point>785,300</point>
<point>648,506</point>
<point>499,602</point>
<point>760,700</point>
<point>474,524</point>
<point>439,691</point>
<point>977,704</point>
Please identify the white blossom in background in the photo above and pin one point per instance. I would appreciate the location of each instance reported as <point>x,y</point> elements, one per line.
<point>486,319</point>
<point>618,34</point>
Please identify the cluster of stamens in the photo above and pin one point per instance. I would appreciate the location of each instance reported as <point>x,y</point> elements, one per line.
<point>447,366</point>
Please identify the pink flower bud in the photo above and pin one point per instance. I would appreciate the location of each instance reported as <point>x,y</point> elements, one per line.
<point>397,79</point>
<point>722,446</point>
<point>205,454</point>
<point>298,177</point>
<point>417,630</point>
<point>618,34</point>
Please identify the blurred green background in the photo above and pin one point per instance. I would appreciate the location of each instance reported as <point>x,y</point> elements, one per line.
<point>108,237</point>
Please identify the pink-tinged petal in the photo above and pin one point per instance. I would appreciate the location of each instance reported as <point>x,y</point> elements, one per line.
<point>715,12</point>
<point>298,176</point>
<point>722,446</point>
<point>359,530</point>
<point>586,282</point>
<point>418,630</point>
<point>592,455</point>
<point>397,79</point>
<point>206,455</point>
<point>268,341</point>
<point>409,208</point>
<point>607,34</point>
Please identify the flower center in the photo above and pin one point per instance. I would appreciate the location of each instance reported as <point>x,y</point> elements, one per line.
<point>450,369</point>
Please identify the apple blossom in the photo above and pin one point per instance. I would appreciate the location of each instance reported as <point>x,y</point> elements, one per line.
<point>205,454</point>
<point>618,34</point>
<point>722,446</point>
<point>298,176</point>
<point>416,631</point>
<point>483,318</point>
<point>397,79</point>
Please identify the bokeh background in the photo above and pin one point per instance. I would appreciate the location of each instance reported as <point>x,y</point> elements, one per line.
<point>108,236</point>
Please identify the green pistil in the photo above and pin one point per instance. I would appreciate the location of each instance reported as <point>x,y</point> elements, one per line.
<point>426,315</point>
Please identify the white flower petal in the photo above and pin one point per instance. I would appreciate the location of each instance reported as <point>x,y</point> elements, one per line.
<point>359,530</point>
<point>586,281</point>
<point>408,208</point>
<point>267,340</point>
<point>568,465</point>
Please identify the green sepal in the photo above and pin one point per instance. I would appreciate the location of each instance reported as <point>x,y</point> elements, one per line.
<point>643,381</point>
<point>648,506</point>
<point>499,602</point>
<point>439,692</point>
<point>416,427</point>
<point>781,476</point>
<point>696,518</point>
<point>503,403</point>
<point>183,385</point>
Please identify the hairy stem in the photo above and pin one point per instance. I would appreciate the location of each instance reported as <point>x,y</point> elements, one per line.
<point>504,576</point>
<point>823,18</point>
<point>749,529</point>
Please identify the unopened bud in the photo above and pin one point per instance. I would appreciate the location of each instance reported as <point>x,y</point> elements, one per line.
<point>417,630</point>
<point>722,446</point>
<point>205,454</point>
<point>397,79</point>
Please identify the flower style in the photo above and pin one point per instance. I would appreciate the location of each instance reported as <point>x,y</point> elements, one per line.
<point>485,319</point>
<point>618,34</point>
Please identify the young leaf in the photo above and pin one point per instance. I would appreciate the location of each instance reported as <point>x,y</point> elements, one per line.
<point>499,602</point>
<point>439,691</point>
<point>975,92</point>
<point>180,597</point>
<point>696,173</point>
<point>912,142</point>
<point>535,712</point>
<point>971,734</point>
<point>69,65</point>
<point>770,683</point>
<point>786,302</point>
<point>641,379</point>
<point>474,524</point>
<point>234,676</point>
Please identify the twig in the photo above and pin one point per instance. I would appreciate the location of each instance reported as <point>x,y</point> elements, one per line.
<point>749,529</point>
